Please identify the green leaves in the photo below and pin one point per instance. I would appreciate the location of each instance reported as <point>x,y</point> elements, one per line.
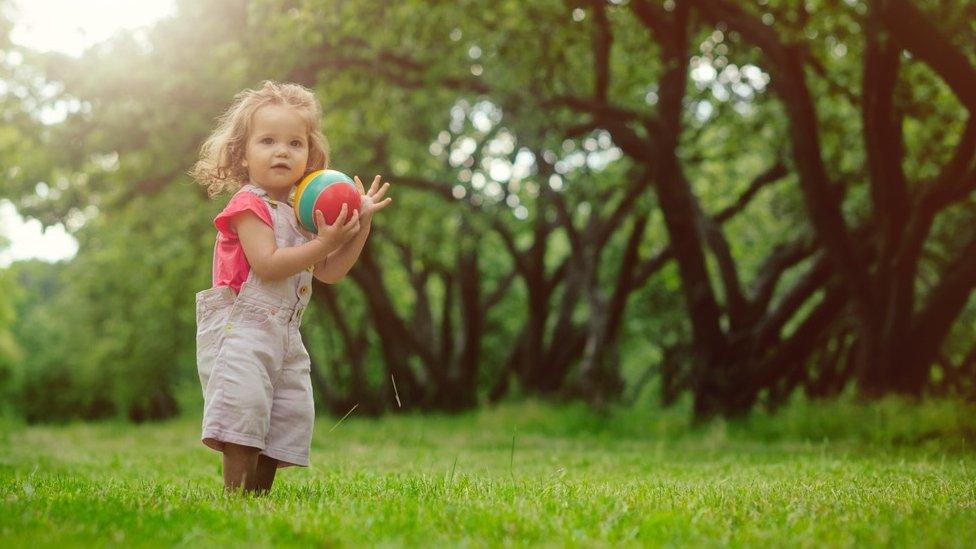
<point>487,119</point>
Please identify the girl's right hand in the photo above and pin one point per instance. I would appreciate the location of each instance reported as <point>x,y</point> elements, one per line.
<point>339,232</point>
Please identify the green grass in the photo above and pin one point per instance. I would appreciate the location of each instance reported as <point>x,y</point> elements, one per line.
<point>838,475</point>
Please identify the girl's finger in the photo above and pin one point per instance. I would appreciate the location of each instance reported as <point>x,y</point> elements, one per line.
<point>376,195</point>
<point>320,219</point>
<point>382,204</point>
<point>372,187</point>
<point>359,184</point>
<point>339,221</point>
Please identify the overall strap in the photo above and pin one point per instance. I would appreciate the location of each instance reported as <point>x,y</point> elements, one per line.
<point>263,195</point>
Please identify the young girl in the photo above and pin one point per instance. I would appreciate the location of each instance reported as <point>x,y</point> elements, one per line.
<point>253,367</point>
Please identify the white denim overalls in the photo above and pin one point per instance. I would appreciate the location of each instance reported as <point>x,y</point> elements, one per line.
<point>253,366</point>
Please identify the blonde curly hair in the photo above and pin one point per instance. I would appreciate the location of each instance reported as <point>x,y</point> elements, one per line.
<point>220,164</point>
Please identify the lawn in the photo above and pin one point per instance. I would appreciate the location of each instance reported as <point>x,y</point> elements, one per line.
<point>519,474</point>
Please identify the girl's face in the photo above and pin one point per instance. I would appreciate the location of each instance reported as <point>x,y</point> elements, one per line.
<point>277,149</point>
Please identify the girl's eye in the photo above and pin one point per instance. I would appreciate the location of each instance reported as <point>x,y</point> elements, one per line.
<point>267,141</point>
<point>297,143</point>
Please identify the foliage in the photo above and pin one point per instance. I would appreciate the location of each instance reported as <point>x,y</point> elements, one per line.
<point>10,351</point>
<point>580,196</point>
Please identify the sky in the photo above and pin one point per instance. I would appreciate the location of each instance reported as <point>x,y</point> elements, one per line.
<point>68,26</point>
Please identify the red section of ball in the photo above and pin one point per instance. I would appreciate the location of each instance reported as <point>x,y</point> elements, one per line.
<point>331,199</point>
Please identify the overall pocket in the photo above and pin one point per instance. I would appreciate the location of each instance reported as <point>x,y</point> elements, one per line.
<point>252,314</point>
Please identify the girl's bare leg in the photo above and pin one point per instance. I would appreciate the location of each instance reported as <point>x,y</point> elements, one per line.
<point>240,463</point>
<point>264,473</point>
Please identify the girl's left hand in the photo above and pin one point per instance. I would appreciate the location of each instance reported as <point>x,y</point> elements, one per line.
<point>373,200</point>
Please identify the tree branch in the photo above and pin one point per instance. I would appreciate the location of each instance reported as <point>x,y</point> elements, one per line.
<point>819,196</point>
<point>913,30</point>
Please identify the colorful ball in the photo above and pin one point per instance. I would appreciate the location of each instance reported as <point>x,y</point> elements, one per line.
<point>327,191</point>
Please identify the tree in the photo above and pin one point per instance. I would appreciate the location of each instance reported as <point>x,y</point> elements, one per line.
<point>707,183</point>
<point>900,330</point>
